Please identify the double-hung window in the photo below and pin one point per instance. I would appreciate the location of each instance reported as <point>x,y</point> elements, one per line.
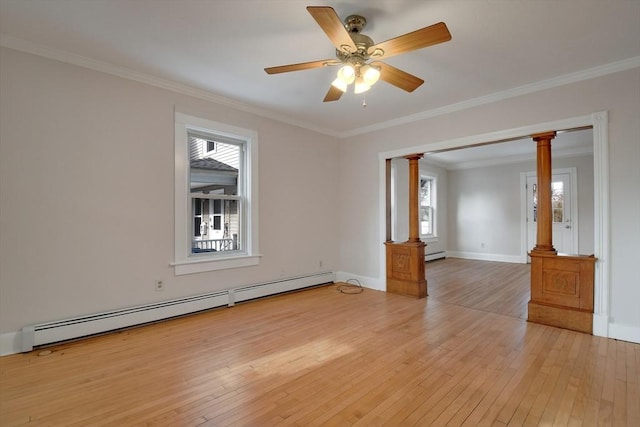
<point>427,199</point>
<point>215,196</point>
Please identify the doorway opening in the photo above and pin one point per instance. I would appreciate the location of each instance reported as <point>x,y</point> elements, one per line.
<point>596,125</point>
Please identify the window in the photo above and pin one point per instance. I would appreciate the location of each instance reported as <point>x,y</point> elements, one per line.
<point>216,207</point>
<point>427,200</point>
<point>557,201</point>
<point>211,147</point>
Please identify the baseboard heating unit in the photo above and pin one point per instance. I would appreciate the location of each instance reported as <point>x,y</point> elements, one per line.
<point>83,326</point>
<point>434,256</point>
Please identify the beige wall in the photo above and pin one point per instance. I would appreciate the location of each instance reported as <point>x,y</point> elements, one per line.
<point>87,188</point>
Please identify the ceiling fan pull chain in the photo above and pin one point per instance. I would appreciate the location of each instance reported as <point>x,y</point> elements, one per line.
<point>364,102</point>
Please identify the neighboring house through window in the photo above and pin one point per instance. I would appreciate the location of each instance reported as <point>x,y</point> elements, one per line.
<point>215,196</point>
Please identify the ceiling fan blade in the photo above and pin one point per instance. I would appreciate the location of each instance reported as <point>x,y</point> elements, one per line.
<point>333,94</point>
<point>398,78</point>
<point>331,24</point>
<point>301,66</point>
<point>428,36</point>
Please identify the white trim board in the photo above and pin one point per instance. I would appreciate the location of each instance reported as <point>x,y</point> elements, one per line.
<point>599,122</point>
<point>624,332</point>
<point>482,256</point>
<point>367,282</point>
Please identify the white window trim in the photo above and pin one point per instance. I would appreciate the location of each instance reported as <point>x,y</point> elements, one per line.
<point>184,262</point>
<point>432,237</point>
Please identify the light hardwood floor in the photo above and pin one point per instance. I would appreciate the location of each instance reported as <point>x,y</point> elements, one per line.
<point>320,357</point>
<point>497,287</point>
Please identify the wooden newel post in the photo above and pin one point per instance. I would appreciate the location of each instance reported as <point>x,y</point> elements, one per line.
<point>544,236</point>
<point>405,261</point>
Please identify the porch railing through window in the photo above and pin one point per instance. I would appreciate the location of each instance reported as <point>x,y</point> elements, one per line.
<point>214,245</point>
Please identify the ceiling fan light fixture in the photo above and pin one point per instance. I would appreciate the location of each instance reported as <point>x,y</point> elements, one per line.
<point>347,74</point>
<point>338,83</point>
<point>370,74</point>
<point>361,85</point>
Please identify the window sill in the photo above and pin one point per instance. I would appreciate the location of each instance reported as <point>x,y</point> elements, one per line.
<point>208,264</point>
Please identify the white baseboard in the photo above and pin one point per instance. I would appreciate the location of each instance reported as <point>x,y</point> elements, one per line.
<point>600,325</point>
<point>435,255</point>
<point>482,256</point>
<point>624,332</point>
<point>367,282</point>
<point>55,331</point>
<point>10,343</point>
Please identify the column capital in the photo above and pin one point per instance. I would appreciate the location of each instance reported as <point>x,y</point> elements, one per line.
<point>543,136</point>
<point>416,156</point>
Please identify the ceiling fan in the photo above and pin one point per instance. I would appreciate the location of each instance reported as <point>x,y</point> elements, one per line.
<point>360,57</point>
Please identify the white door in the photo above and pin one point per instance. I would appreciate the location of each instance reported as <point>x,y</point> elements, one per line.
<point>563,195</point>
<point>216,226</point>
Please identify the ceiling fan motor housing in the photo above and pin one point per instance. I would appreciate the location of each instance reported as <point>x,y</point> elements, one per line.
<point>354,25</point>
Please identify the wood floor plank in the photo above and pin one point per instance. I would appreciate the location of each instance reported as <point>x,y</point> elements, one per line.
<point>320,357</point>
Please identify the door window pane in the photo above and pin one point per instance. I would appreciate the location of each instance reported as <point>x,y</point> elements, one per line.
<point>557,201</point>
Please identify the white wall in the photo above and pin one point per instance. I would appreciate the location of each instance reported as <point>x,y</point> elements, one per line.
<point>86,194</point>
<point>485,211</point>
<point>619,94</point>
<point>485,208</point>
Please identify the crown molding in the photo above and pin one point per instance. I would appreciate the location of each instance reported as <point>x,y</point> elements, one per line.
<point>126,73</point>
<point>123,72</point>
<point>578,76</point>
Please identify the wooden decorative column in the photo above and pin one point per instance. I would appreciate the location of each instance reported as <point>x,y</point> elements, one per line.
<point>544,213</point>
<point>561,284</point>
<point>405,261</point>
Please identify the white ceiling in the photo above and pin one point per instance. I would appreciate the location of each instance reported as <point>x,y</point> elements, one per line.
<point>220,48</point>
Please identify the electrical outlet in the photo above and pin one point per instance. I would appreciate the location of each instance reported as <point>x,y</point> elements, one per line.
<point>482,245</point>
<point>159,286</point>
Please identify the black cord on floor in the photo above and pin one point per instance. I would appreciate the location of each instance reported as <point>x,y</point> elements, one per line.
<point>352,286</point>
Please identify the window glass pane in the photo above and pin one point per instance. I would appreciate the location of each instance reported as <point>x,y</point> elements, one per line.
<point>557,201</point>
<point>426,205</point>
<point>197,222</point>
<point>214,172</point>
<point>225,233</point>
<point>217,221</point>
<point>425,220</point>
<point>425,191</point>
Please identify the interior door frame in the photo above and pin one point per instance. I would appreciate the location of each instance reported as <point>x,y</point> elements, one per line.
<point>599,122</point>
<point>524,176</point>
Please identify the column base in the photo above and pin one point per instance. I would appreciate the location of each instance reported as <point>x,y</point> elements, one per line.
<point>561,317</point>
<point>562,290</point>
<point>405,269</point>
